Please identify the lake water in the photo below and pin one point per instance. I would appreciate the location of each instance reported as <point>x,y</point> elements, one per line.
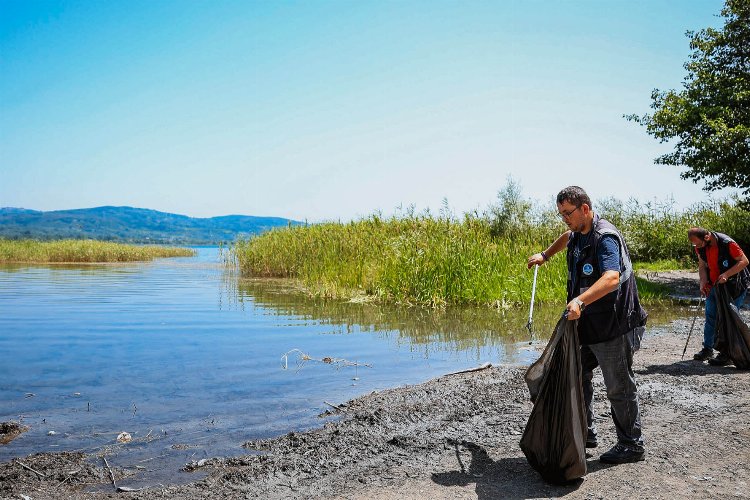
<point>187,358</point>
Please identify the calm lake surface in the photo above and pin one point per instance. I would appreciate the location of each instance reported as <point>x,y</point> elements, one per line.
<point>187,358</point>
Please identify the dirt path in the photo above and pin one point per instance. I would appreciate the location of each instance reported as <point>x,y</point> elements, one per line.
<point>457,437</point>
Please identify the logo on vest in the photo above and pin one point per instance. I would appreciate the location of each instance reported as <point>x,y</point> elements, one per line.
<point>725,263</point>
<point>588,269</point>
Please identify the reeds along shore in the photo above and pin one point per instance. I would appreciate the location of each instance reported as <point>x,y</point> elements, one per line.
<point>33,251</point>
<point>477,259</point>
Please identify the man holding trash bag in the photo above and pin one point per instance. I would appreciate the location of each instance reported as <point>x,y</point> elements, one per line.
<point>602,295</point>
<point>721,261</point>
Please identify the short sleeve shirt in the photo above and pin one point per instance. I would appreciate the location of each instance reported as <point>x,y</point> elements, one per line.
<point>607,252</point>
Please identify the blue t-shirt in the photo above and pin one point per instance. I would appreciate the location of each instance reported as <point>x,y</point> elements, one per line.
<point>607,252</point>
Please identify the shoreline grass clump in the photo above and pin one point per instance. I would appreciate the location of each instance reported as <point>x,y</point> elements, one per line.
<point>423,259</point>
<point>86,251</point>
<point>416,259</point>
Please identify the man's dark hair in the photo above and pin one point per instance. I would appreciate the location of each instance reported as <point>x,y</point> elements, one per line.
<point>697,232</point>
<point>575,196</point>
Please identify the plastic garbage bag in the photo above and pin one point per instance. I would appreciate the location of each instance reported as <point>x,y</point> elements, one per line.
<point>554,440</point>
<point>732,334</point>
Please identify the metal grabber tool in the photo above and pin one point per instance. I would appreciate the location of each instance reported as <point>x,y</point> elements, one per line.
<point>697,312</point>
<point>531,308</point>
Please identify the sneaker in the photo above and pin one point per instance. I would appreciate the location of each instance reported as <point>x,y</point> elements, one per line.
<point>621,454</point>
<point>721,359</point>
<point>704,354</point>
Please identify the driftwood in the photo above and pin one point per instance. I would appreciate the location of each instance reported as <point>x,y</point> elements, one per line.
<point>469,370</point>
<point>29,468</point>
<point>111,475</point>
<point>336,407</point>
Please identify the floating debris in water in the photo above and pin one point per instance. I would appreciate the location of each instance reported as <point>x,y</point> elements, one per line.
<point>303,357</point>
<point>124,437</point>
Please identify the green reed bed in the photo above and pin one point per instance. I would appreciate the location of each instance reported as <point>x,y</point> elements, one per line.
<point>477,259</point>
<point>411,260</point>
<point>33,251</point>
<point>656,232</point>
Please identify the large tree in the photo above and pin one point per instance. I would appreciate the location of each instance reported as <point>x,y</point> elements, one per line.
<point>709,119</point>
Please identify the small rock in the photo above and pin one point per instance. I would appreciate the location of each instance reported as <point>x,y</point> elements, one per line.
<point>52,433</point>
<point>124,437</point>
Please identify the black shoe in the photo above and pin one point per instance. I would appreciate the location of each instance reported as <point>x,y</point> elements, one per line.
<point>704,354</point>
<point>591,442</point>
<point>721,359</point>
<point>620,454</point>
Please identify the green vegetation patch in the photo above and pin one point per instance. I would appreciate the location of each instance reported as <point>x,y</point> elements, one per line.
<point>476,259</point>
<point>83,251</point>
<point>417,259</point>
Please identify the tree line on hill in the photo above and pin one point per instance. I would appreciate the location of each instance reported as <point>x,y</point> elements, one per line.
<point>131,225</point>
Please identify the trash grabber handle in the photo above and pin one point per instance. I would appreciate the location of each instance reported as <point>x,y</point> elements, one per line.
<point>697,312</point>
<point>531,307</point>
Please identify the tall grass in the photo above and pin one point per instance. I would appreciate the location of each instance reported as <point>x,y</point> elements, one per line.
<point>475,259</point>
<point>34,251</point>
<point>657,231</point>
<point>416,259</point>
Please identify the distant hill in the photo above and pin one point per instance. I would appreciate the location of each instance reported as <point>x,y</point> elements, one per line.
<point>128,224</point>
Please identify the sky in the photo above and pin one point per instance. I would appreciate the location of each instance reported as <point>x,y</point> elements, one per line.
<point>332,110</point>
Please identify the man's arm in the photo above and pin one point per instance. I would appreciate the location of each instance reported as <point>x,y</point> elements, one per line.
<point>607,282</point>
<point>560,243</point>
<point>703,274</point>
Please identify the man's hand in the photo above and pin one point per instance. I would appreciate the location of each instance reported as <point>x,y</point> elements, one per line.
<point>722,279</point>
<point>535,260</point>
<point>705,288</point>
<point>574,310</point>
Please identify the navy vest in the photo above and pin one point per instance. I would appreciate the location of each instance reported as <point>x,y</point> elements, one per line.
<point>619,311</point>
<point>740,281</point>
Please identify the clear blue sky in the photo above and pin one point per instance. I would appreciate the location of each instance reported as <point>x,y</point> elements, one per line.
<point>334,109</point>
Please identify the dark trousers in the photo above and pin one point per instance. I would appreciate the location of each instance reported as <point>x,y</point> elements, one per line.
<point>709,329</point>
<point>615,357</point>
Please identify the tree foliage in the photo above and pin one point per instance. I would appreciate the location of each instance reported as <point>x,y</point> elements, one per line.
<point>710,118</point>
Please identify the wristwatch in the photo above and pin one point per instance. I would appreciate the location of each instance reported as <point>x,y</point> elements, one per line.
<point>580,303</point>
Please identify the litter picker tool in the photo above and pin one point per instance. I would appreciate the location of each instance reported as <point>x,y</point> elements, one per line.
<point>531,308</point>
<point>697,312</point>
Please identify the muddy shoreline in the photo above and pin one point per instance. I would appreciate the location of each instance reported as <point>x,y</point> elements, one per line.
<point>457,437</point>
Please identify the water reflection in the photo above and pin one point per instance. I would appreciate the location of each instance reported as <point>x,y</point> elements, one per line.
<point>460,328</point>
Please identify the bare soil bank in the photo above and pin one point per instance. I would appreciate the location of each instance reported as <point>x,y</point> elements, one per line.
<point>457,437</point>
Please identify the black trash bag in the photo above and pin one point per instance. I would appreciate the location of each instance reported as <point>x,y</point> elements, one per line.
<point>554,440</point>
<point>732,334</point>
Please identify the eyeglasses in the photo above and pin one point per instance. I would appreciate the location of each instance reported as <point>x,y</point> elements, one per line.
<point>566,215</point>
